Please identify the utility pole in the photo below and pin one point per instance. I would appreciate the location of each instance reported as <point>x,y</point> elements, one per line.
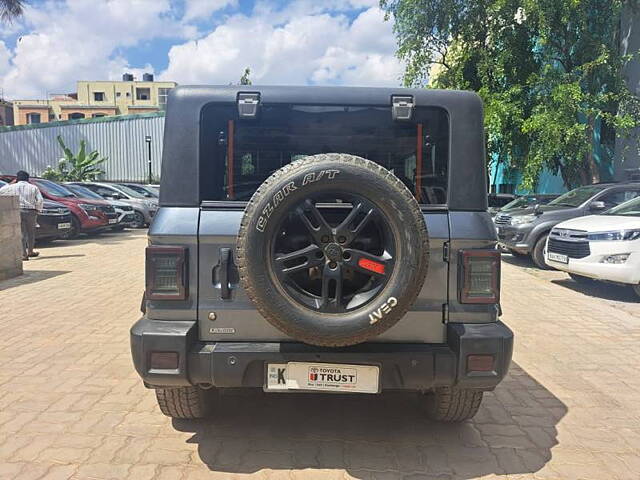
<point>147,139</point>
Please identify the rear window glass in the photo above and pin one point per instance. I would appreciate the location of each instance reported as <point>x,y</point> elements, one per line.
<point>238,155</point>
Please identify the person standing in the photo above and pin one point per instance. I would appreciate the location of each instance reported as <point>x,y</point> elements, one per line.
<point>30,204</point>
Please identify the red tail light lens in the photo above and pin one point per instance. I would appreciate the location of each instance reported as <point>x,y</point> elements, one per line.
<point>479,276</point>
<point>166,273</point>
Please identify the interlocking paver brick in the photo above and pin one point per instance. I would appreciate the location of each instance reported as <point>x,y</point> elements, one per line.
<point>71,405</point>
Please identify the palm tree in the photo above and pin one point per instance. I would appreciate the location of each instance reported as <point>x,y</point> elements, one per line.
<point>10,9</point>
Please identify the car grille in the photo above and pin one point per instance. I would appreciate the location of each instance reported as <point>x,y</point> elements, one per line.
<point>107,209</point>
<point>572,243</point>
<point>502,219</point>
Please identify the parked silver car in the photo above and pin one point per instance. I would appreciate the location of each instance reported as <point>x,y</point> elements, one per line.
<point>145,209</point>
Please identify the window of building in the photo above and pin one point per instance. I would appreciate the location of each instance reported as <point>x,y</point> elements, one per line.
<point>52,117</point>
<point>143,94</point>
<point>98,96</point>
<point>128,94</point>
<point>118,94</point>
<point>76,116</point>
<point>98,115</point>
<point>33,118</point>
<point>163,93</point>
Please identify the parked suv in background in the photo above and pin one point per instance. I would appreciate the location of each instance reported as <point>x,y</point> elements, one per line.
<point>87,216</point>
<point>54,221</point>
<point>124,213</point>
<point>144,209</point>
<point>296,249</point>
<point>525,231</point>
<point>599,247</point>
<point>524,201</point>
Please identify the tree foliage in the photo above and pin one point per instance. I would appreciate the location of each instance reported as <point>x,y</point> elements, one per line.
<point>78,167</point>
<point>11,9</point>
<point>549,71</point>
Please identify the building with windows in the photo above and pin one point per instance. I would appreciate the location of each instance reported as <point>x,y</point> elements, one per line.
<point>96,99</point>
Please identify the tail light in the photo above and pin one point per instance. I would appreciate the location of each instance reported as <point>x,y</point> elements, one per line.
<point>166,273</point>
<point>479,276</point>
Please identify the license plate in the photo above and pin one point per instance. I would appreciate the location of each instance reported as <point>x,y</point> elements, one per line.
<point>323,377</point>
<point>112,221</point>
<point>558,257</point>
<point>62,226</point>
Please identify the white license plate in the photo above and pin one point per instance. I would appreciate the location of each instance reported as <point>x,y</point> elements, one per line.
<point>558,257</point>
<point>62,226</point>
<point>323,377</point>
<point>112,221</point>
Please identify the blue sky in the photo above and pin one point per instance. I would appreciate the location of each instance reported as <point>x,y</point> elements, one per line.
<point>330,42</point>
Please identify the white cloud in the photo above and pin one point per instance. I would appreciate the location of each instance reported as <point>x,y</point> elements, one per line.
<point>203,9</point>
<point>301,42</point>
<point>312,48</point>
<point>76,40</point>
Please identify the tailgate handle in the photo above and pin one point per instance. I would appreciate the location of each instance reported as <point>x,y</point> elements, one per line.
<point>225,261</point>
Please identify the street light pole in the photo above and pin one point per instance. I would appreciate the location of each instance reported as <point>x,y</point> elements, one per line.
<point>147,139</point>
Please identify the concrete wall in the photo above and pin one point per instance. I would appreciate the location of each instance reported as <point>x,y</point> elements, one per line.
<point>10,238</point>
<point>626,151</point>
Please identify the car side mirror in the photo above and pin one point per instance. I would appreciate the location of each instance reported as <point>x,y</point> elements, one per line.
<point>597,205</point>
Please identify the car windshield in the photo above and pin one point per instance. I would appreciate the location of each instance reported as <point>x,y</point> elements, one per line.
<point>577,196</point>
<point>526,201</point>
<point>628,209</point>
<point>129,191</point>
<point>83,192</point>
<point>141,190</point>
<point>54,189</point>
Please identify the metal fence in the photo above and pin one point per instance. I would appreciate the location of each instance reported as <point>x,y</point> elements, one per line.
<point>121,139</point>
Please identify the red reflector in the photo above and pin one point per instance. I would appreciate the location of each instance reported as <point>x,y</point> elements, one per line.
<point>371,265</point>
<point>164,360</point>
<point>479,363</point>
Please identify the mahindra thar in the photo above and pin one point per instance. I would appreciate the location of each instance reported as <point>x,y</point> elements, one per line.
<point>322,239</point>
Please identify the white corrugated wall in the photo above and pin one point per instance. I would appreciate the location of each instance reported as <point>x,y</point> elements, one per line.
<point>121,139</point>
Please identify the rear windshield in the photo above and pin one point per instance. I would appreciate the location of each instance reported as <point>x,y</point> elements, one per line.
<point>577,197</point>
<point>238,155</point>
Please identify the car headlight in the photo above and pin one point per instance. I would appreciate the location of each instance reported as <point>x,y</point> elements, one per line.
<point>87,207</point>
<point>614,235</point>
<point>523,219</point>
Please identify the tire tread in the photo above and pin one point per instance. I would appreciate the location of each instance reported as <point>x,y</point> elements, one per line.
<point>451,404</point>
<point>183,402</point>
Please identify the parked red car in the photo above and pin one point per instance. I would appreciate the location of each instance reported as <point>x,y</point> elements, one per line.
<point>87,216</point>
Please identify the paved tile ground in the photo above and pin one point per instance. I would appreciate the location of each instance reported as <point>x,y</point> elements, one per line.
<point>71,405</point>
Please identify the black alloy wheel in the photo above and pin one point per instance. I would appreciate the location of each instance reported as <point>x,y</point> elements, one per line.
<point>333,259</point>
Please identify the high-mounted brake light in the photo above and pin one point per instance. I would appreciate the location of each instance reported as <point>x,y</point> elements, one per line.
<point>166,273</point>
<point>479,276</point>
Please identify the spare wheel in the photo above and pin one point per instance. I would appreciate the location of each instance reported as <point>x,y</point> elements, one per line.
<point>332,249</point>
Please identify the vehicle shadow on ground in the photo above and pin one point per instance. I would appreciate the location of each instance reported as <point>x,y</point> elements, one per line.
<point>30,276</point>
<point>518,260</point>
<point>606,291</point>
<point>383,435</point>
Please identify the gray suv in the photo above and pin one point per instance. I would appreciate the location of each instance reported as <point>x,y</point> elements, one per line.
<point>525,231</point>
<point>315,239</point>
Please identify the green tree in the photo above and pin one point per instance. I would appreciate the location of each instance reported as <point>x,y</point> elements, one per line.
<point>11,9</point>
<point>548,71</point>
<point>76,167</point>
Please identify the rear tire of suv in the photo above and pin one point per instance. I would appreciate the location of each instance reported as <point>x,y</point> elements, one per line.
<point>538,253</point>
<point>451,404</point>
<point>184,402</point>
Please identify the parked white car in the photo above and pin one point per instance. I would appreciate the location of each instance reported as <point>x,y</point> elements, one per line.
<point>601,247</point>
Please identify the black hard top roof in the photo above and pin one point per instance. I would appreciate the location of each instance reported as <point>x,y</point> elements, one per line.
<point>180,160</point>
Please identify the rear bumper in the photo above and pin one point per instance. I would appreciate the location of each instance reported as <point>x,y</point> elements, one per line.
<point>402,366</point>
